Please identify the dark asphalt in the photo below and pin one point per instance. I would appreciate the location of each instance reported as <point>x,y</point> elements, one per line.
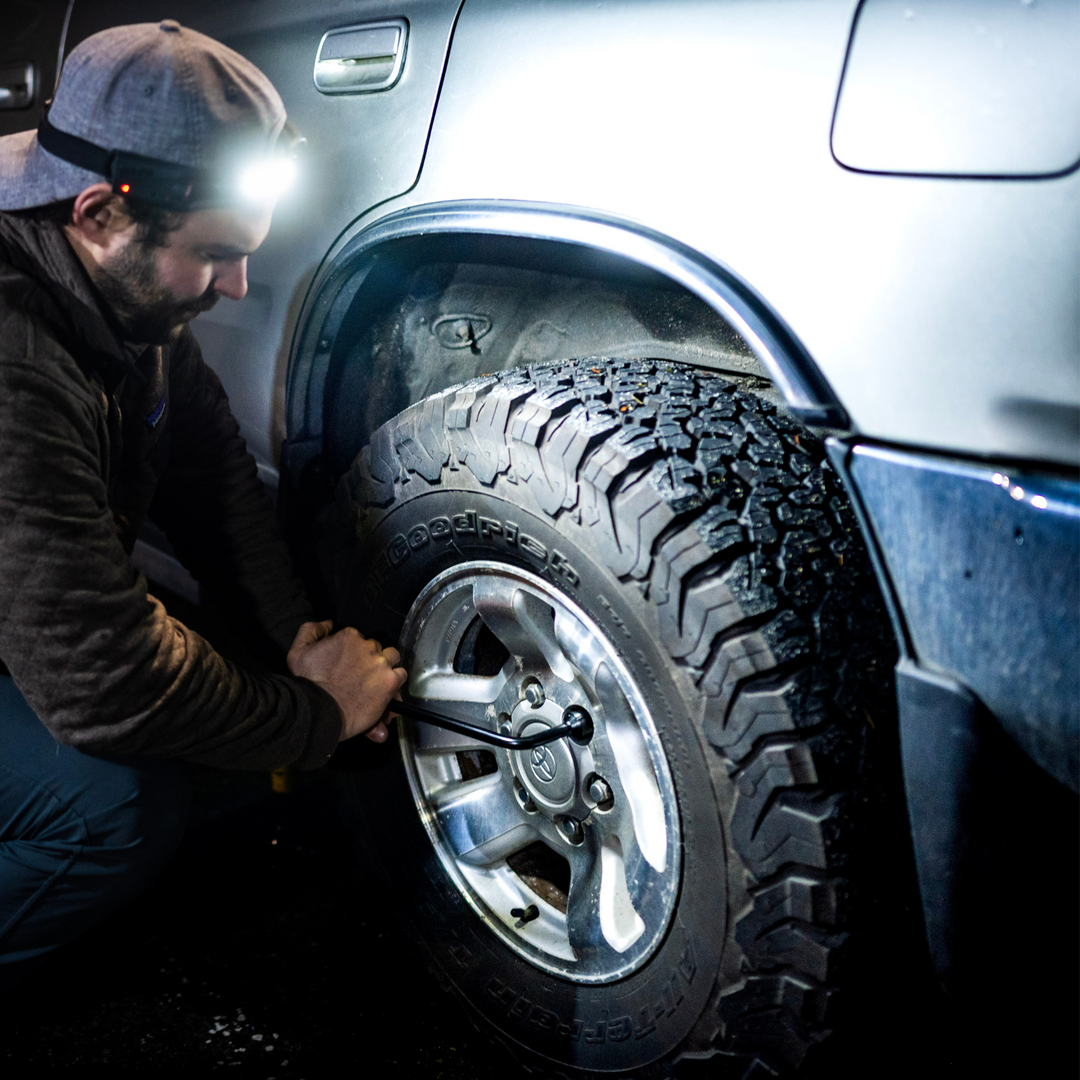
<point>265,952</point>
<point>261,952</point>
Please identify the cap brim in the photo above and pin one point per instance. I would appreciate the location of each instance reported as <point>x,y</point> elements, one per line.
<point>31,176</point>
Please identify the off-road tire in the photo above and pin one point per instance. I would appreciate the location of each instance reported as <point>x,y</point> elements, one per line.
<point>702,528</point>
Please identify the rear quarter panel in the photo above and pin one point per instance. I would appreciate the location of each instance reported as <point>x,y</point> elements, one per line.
<point>945,313</point>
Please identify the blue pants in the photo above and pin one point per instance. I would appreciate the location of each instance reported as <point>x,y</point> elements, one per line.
<point>79,835</point>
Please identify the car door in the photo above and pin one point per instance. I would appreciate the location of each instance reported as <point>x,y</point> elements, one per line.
<point>30,33</point>
<point>365,144</point>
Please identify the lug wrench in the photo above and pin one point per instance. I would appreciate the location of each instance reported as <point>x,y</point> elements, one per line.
<point>576,725</point>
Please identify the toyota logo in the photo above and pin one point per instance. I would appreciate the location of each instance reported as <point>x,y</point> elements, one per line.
<point>543,764</point>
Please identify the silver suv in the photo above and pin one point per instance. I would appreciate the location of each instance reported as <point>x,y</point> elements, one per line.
<point>712,368</point>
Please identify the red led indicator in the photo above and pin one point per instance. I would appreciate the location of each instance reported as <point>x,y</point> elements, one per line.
<point>125,188</point>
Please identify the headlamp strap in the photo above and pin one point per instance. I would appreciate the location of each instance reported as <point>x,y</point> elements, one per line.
<point>75,151</point>
<point>162,183</point>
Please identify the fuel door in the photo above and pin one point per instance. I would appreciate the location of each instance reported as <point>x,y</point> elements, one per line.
<point>967,88</point>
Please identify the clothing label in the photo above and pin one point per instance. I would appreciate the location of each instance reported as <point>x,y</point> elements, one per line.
<point>158,414</point>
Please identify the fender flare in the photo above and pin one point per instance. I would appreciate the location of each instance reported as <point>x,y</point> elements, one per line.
<point>790,365</point>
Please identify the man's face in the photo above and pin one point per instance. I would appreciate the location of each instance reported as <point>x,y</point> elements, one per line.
<point>153,290</point>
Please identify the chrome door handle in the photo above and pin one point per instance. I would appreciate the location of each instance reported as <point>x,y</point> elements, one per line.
<point>361,59</point>
<point>17,85</point>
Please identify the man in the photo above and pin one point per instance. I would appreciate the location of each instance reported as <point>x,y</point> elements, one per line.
<point>122,218</point>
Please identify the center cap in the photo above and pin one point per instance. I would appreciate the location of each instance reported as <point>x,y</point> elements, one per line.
<point>548,771</point>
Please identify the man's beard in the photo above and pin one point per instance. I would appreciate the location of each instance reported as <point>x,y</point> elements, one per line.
<point>144,308</point>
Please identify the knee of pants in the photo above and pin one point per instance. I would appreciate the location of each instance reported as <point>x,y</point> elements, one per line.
<point>127,810</point>
<point>80,843</point>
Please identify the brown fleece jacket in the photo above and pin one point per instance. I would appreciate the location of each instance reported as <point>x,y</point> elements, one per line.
<point>95,435</point>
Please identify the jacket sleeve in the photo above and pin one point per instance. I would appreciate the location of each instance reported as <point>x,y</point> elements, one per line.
<point>100,661</point>
<point>214,510</point>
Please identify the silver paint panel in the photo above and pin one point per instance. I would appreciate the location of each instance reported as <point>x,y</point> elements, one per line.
<point>943,313</point>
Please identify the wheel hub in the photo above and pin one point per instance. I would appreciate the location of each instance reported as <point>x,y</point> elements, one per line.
<point>549,772</point>
<point>585,835</point>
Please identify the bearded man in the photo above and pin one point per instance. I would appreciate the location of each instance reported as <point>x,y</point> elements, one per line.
<point>124,216</point>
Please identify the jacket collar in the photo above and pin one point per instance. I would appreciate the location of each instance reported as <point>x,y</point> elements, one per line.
<point>41,251</point>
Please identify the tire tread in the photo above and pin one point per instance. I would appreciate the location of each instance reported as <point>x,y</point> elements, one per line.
<point>725,513</point>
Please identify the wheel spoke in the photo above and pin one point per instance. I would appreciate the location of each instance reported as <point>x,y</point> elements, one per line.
<point>438,685</point>
<point>620,923</point>
<point>583,902</point>
<point>581,647</point>
<point>429,739</point>
<point>482,823</point>
<point>600,911</point>
<point>635,773</point>
<point>523,623</point>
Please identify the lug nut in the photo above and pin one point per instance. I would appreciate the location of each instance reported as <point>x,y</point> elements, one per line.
<point>571,830</point>
<point>600,792</point>
<point>525,799</point>
<point>534,694</point>
<point>506,727</point>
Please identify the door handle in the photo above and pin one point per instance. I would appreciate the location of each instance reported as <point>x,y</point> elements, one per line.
<point>17,85</point>
<point>361,59</point>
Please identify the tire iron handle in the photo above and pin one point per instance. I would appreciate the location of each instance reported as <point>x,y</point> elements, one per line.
<point>576,724</point>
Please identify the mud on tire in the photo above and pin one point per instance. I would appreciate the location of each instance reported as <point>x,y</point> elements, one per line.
<point>704,530</point>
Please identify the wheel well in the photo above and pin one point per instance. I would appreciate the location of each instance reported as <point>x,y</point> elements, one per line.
<point>438,311</point>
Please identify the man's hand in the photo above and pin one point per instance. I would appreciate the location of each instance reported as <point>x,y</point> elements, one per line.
<point>357,672</point>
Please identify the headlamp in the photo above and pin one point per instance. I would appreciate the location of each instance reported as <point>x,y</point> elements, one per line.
<point>267,179</point>
<point>260,179</point>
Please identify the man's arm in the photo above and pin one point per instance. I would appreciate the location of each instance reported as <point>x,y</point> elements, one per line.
<point>216,513</point>
<point>214,510</point>
<point>102,664</point>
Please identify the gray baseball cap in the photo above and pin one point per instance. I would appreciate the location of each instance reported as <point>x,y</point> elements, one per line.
<point>162,111</point>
